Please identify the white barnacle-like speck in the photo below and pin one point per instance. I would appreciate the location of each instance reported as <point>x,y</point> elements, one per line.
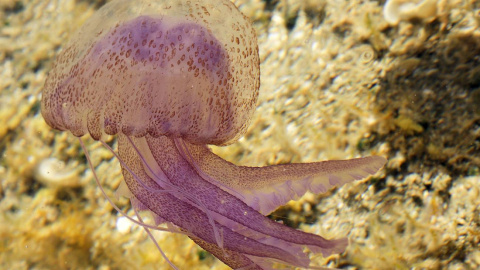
<point>124,225</point>
<point>395,11</point>
<point>54,172</point>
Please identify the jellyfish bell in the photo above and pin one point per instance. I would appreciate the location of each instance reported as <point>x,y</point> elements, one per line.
<point>157,68</point>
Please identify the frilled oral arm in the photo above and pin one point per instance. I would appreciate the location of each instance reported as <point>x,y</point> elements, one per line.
<point>222,205</point>
<point>267,188</point>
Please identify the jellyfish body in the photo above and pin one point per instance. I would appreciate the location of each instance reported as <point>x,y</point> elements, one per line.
<point>169,78</point>
<point>158,68</point>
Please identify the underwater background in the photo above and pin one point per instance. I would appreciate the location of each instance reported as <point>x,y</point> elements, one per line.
<point>338,80</point>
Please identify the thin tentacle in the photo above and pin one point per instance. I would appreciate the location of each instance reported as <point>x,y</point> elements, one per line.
<point>155,241</point>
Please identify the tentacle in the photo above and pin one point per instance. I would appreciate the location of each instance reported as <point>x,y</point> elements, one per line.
<point>155,241</point>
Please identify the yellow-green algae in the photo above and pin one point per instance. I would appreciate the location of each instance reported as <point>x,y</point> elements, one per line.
<point>337,81</point>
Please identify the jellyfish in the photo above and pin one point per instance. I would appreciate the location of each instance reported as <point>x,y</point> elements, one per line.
<point>169,78</point>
